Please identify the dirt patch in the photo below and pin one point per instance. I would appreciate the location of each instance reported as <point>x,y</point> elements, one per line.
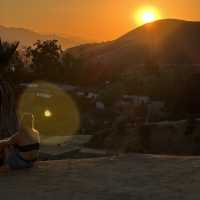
<point>114,178</point>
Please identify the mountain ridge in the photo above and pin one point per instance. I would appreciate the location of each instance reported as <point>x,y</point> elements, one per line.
<point>28,37</point>
<point>151,39</point>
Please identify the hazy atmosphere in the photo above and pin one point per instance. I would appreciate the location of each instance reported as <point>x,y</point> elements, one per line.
<point>88,19</point>
<point>100,99</point>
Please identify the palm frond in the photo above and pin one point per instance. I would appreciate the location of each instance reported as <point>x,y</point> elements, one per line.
<point>6,51</point>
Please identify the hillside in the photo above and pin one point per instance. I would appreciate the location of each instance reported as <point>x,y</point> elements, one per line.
<point>29,37</point>
<point>164,42</point>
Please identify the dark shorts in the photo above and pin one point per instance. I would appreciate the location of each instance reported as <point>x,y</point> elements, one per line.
<point>15,161</point>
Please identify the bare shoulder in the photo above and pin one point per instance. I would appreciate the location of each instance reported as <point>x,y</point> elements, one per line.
<point>37,133</point>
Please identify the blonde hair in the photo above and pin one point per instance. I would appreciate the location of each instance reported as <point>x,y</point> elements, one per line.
<point>27,121</point>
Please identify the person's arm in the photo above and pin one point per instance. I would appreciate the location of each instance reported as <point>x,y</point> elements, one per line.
<point>4,143</point>
<point>14,139</point>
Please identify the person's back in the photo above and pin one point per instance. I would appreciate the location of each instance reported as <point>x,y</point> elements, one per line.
<point>24,144</point>
<point>28,144</point>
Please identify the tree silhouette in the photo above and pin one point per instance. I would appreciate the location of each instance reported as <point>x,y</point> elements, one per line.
<point>45,56</point>
<point>8,117</point>
<point>6,52</point>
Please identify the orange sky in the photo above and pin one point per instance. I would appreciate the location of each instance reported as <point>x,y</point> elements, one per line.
<point>89,19</point>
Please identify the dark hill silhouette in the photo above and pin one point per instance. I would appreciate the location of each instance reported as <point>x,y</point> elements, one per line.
<point>28,37</point>
<point>164,42</point>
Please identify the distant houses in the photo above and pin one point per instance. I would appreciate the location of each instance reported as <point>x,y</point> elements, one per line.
<point>136,99</point>
<point>154,110</point>
<point>139,105</point>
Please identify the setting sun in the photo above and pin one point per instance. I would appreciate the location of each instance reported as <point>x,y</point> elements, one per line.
<point>146,15</point>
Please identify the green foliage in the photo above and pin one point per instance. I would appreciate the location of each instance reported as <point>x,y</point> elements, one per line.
<point>51,64</point>
<point>17,69</point>
<point>6,52</point>
<point>45,58</point>
<point>72,69</point>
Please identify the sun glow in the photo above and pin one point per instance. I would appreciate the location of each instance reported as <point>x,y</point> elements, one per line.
<point>47,113</point>
<point>146,15</point>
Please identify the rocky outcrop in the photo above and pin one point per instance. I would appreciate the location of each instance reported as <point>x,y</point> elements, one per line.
<point>155,138</point>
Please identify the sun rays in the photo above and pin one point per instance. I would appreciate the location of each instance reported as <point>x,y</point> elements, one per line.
<point>146,14</point>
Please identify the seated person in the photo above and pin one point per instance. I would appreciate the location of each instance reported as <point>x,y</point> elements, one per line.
<point>22,149</point>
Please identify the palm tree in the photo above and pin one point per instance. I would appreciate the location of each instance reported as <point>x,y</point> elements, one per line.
<point>8,116</point>
<point>6,51</point>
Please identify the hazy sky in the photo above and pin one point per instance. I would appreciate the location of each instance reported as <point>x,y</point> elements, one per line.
<point>89,19</point>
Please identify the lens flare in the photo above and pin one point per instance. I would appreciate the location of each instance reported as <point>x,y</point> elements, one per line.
<point>47,113</point>
<point>57,115</point>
